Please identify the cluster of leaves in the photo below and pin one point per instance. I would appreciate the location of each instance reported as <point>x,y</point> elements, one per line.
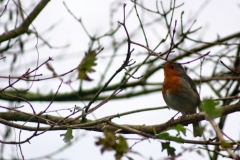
<point>85,67</point>
<point>166,136</point>
<point>210,107</point>
<point>111,142</point>
<point>212,110</point>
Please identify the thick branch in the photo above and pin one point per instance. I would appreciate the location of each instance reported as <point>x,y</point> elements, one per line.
<point>88,94</point>
<point>98,125</point>
<point>23,28</point>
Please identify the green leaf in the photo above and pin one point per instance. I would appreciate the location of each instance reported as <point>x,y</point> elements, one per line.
<point>68,135</point>
<point>86,66</point>
<point>209,106</point>
<point>154,131</point>
<point>112,142</point>
<point>170,150</point>
<point>179,128</point>
<point>121,147</point>
<point>167,136</point>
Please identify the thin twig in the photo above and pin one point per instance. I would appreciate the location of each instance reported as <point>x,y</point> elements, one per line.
<point>229,67</point>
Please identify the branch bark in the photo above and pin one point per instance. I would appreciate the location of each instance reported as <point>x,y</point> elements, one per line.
<point>23,28</point>
<point>88,94</point>
<point>98,125</point>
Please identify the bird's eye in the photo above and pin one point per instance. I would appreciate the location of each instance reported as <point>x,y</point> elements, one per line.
<point>172,67</point>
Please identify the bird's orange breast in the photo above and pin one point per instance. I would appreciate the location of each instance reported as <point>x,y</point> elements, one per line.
<point>171,84</point>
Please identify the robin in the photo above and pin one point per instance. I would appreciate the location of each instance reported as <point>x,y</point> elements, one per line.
<point>180,93</point>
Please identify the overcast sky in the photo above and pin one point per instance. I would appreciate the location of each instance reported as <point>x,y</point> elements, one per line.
<point>218,17</point>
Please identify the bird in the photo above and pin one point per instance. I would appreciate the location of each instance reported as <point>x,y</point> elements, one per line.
<point>180,93</point>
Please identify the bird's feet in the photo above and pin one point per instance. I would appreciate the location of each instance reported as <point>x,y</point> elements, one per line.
<point>172,119</point>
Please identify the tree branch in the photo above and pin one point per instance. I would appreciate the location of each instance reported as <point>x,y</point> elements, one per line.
<point>98,125</point>
<point>88,94</point>
<point>23,28</point>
